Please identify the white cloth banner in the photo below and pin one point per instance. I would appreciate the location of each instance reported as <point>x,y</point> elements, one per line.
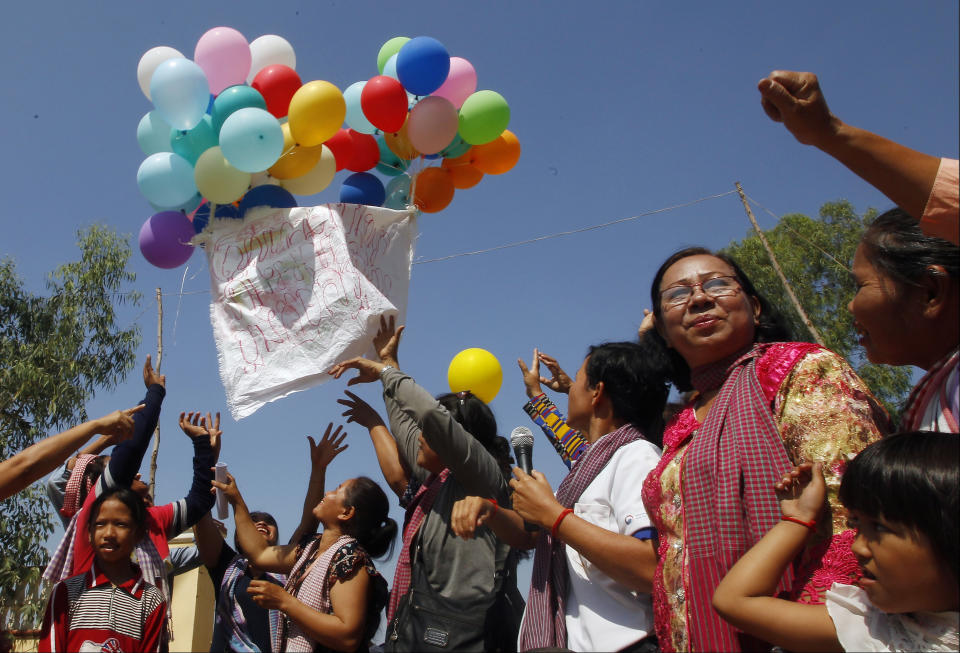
<point>296,290</point>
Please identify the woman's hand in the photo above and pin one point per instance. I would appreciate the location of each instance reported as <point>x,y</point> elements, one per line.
<point>118,425</point>
<point>360,411</point>
<point>795,99</point>
<point>152,378</point>
<point>369,370</point>
<point>268,595</point>
<point>560,381</point>
<point>469,514</point>
<point>322,454</point>
<point>196,427</point>
<point>533,499</point>
<point>229,489</point>
<point>387,341</point>
<point>531,375</point>
<point>802,492</point>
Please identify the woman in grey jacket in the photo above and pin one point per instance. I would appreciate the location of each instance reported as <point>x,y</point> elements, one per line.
<point>444,586</point>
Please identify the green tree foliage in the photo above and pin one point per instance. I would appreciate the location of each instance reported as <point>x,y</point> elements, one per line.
<point>56,350</point>
<point>815,255</point>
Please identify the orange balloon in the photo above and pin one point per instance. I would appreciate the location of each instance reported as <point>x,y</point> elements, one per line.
<point>498,156</point>
<point>432,190</point>
<point>399,144</point>
<point>462,174</point>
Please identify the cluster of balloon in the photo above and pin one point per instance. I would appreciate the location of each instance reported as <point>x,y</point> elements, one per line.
<point>236,128</point>
<point>476,370</point>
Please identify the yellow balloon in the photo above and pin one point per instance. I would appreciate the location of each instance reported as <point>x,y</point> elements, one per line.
<point>476,370</point>
<point>217,180</point>
<point>296,160</point>
<point>317,179</point>
<point>316,113</point>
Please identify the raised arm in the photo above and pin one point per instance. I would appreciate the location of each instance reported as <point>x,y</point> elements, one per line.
<point>745,595</point>
<point>38,460</point>
<point>279,559</point>
<point>567,442</point>
<point>205,434</point>
<point>902,174</point>
<point>394,468</point>
<point>321,455</point>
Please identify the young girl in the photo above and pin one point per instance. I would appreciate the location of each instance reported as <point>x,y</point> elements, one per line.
<point>334,594</point>
<point>109,607</point>
<point>901,494</point>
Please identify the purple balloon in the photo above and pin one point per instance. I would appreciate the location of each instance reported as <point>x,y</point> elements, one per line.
<point>165,238</point>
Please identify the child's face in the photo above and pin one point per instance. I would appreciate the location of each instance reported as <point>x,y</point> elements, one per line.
<point>901,573</point>
<point>113,533</point>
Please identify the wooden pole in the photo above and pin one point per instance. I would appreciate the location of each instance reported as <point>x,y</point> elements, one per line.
<point>776,267</point>
<point>156,433</point>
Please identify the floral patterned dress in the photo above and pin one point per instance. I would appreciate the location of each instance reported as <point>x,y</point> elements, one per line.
<point>823,412</point>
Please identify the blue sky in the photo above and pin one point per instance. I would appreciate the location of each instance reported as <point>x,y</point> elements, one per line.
<point>621,108</point>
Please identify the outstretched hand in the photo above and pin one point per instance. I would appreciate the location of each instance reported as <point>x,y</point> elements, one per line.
<point>150,377</point>
<point>795,99</point>
<point>323,453</point>
<point>531,375</point>
<point>119,424</point>
<point>560,382</point>
<point>802,492</point>
<point>196,426</point>
<point>369,370</point>
<point>387,341</point>
<point>360,411</point>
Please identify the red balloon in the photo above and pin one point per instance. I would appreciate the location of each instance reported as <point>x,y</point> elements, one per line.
<point>341,144</point>
<point>364,153</point>
<point>277,84</point>
<point>384,103</point>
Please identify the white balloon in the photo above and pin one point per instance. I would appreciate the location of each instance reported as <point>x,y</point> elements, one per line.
<point>269,50</point>
<point>149,62</point>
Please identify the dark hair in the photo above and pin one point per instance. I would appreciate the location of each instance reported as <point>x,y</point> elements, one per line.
<point>911,479</point>
<point>771,326</point>
<point>477,419</point>
<point>371,523</point>
<point>634,378</point>
<point>255,516</point>
<point>895,245</point>
<point>126,496</point>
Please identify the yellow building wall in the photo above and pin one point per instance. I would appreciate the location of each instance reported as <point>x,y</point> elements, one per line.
<point>192,605</point>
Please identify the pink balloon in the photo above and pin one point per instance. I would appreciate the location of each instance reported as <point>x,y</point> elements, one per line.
<point>432,124</point>
<point>224,55</point>
<point>461,82</point>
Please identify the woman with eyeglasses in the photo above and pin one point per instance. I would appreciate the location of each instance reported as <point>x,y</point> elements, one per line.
<point>444,587</point>
<point>762,405</point>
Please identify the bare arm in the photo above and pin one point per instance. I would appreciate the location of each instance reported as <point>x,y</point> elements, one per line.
<point>321,456</point>
<point>38,460</point>
<point>745,595</point>
<point>279,559</point>
<point>471,513</point>
<point>902,174</point>
<point>209,540</point>
<point>394,470</point>
<point>340,631</point>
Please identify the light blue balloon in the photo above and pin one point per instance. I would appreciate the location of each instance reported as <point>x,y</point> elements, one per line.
<point>251,139</point>
<point>355,119</point>
<point>398,193</point>
<point>180,92</point>
<point>186,207</point>
<point>457,147</point>
<point>390,68</point>
<point>166,180</point>
<point>234,98</point>
<point>153,133</point>
<point>191,144</point>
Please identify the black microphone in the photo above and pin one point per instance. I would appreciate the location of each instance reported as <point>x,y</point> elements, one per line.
<point>521,438</point>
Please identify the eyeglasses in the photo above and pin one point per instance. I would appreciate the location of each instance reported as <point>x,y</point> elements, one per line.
<point>716,287</point>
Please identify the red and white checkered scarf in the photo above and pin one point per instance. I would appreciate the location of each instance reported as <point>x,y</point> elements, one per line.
<point>544,623</point>
<point>416,511</point>
<point>729,472</point>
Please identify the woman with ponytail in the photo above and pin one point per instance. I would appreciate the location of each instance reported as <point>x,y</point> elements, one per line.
<point>334,594</point>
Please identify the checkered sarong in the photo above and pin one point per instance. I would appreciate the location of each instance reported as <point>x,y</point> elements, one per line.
<point>729,473</point>
<point>417,510</point>
<point>544,624</point>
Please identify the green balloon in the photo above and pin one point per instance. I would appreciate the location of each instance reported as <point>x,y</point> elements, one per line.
<point>234,98</point>
<point>191,144</point>
<point>483,117</point>
<point>389,49</point>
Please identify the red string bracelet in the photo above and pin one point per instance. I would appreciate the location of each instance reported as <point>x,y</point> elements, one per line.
<point>812,524</point>
<point>560,518</point>
<point>495,506</point>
